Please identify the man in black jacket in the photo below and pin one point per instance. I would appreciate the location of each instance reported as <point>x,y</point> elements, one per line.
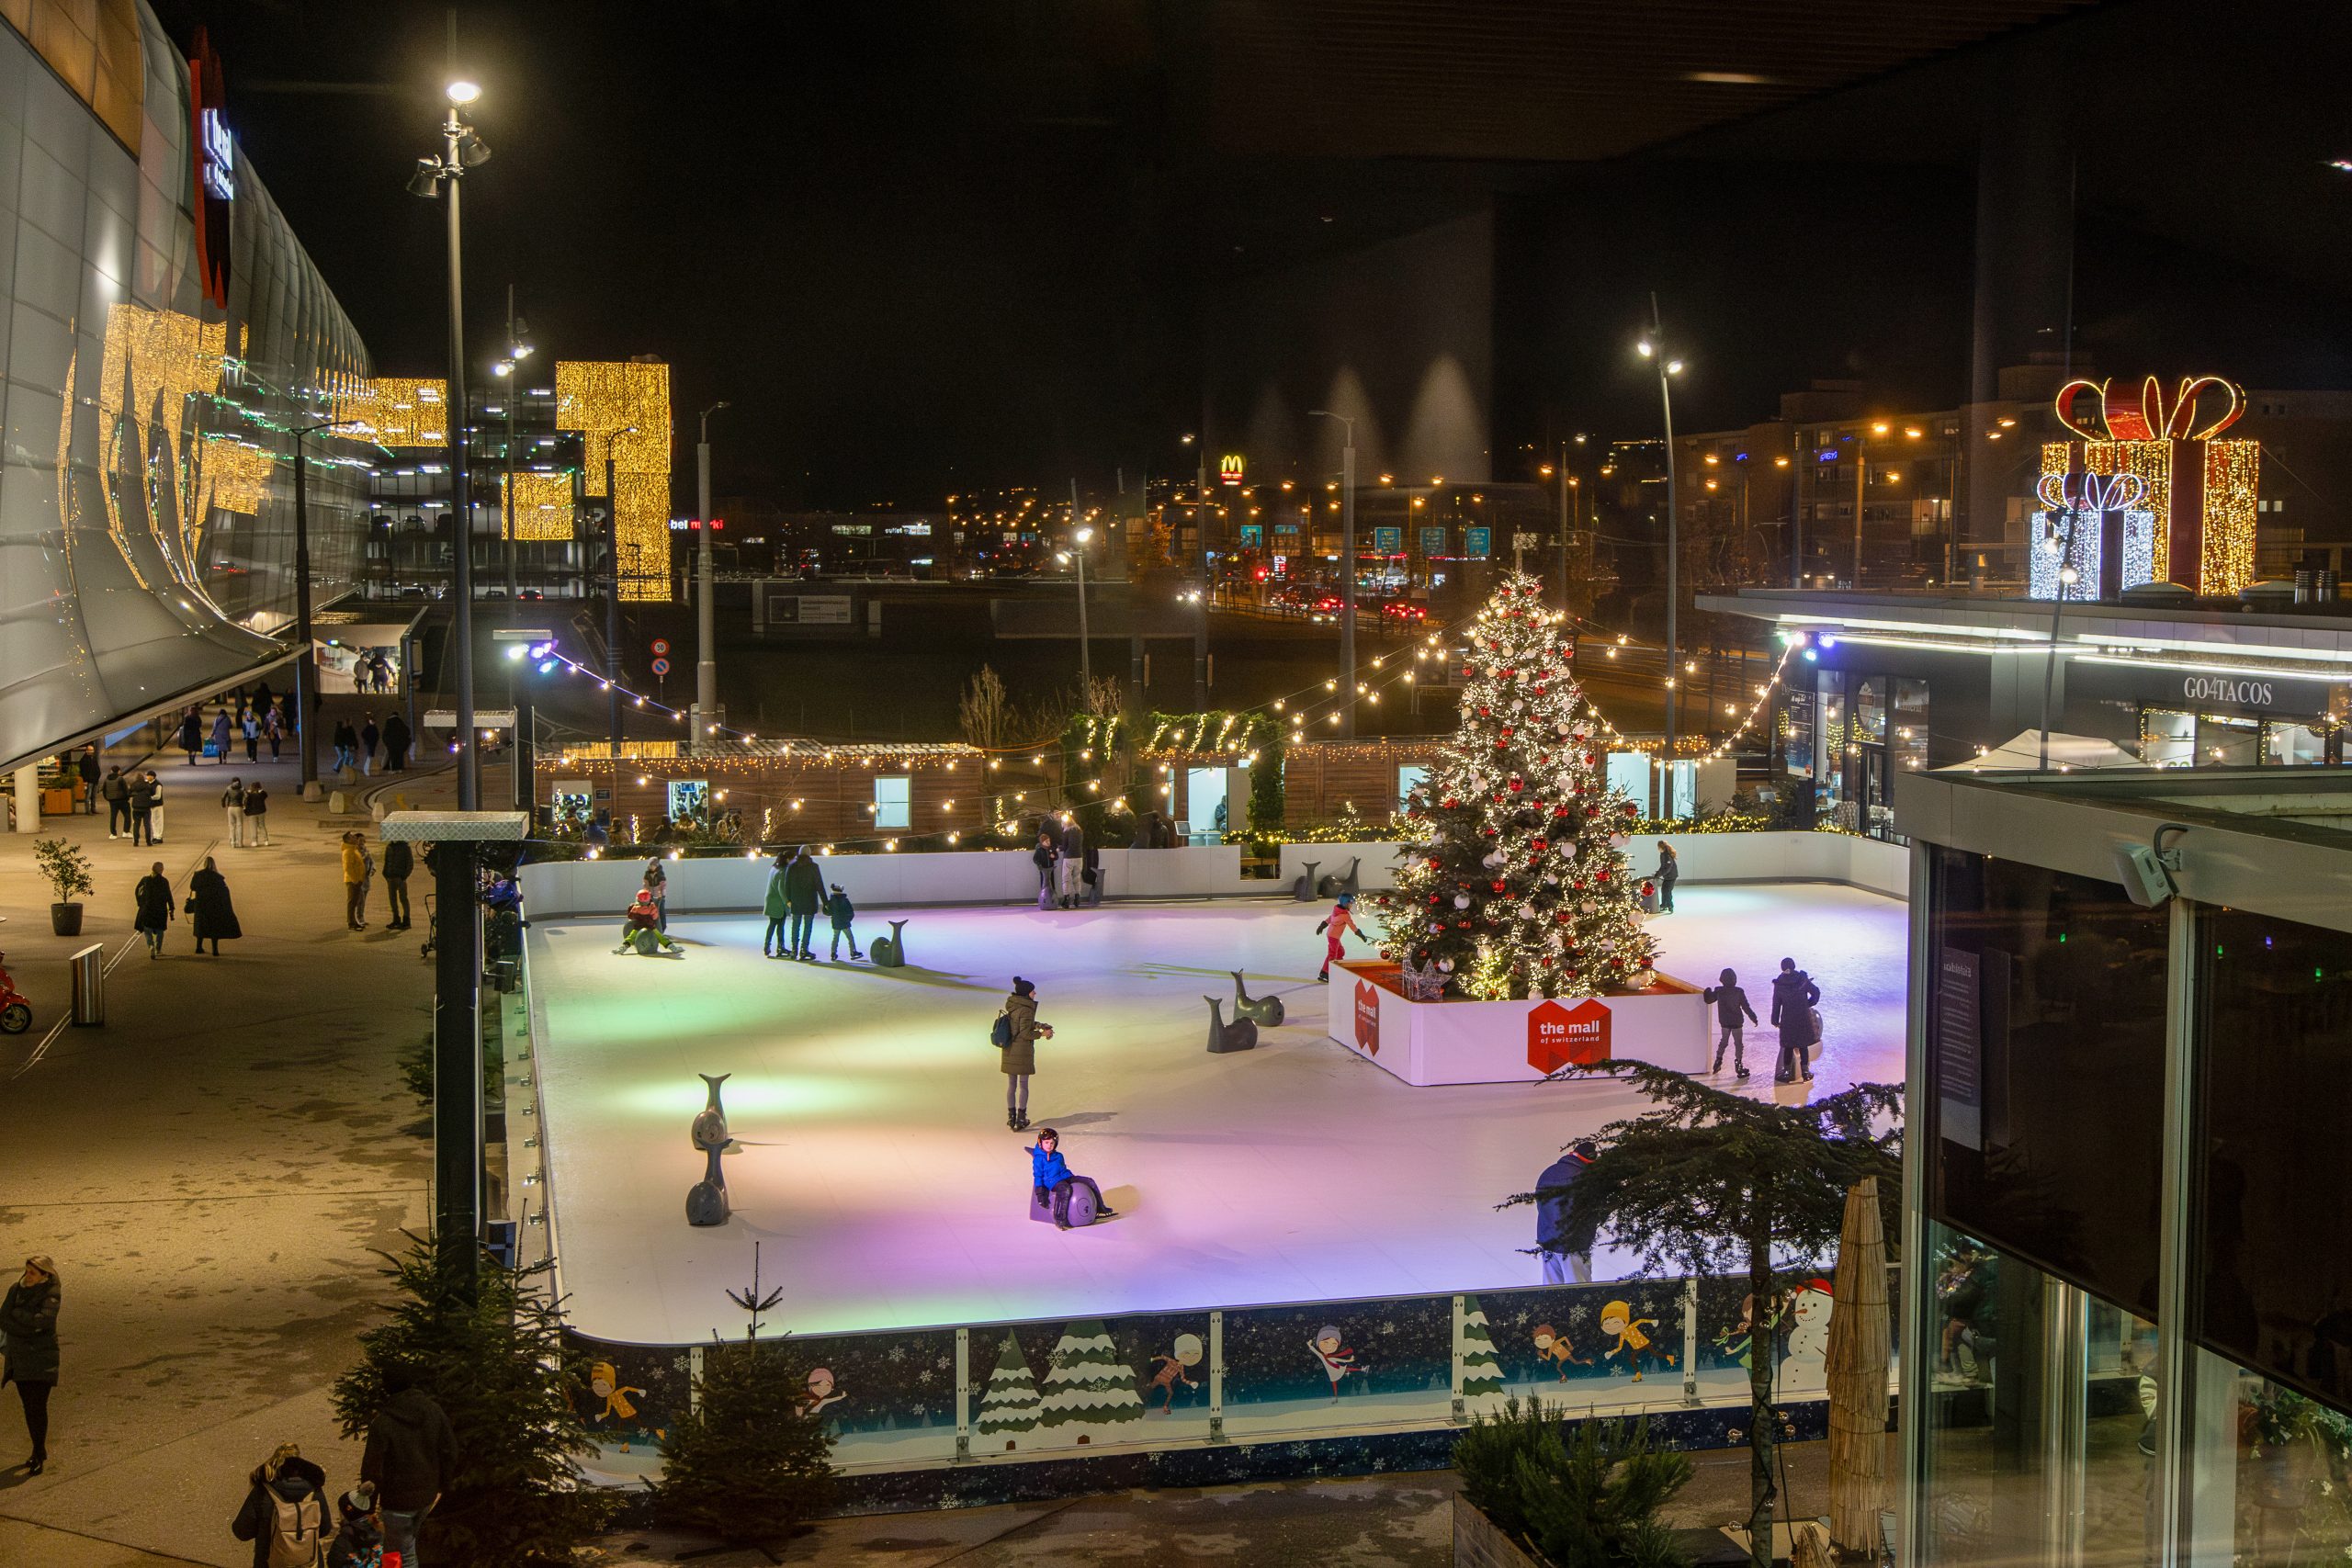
<point>411,1457</point>
<point>399,861</point>
<point>1793,996</point>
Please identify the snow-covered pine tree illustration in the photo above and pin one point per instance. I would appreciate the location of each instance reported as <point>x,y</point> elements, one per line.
<point>1482,1369</point>
<point>1011,1404</point>
<point>1088,1384</point>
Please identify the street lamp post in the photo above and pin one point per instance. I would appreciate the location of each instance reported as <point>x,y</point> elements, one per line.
<point>1078,536</point>
<point>1348,571</point>
<point>506,369</point>
<point>460,150</point>
<point>306,661</point>
<point>706,620</point>
<point>1654,347</point>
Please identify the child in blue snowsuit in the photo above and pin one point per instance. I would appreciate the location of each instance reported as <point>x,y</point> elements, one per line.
<point>1053,1178</point>
<point>841,912</point>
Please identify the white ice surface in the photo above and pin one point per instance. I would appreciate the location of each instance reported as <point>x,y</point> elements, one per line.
<point>874,1162</point>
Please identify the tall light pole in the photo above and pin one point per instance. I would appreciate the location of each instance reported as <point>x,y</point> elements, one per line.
<point>1078,536</point>
<point>1348,571</point>
<point>460,150</point>
<point>1653,347</point>
<point>706,618</point>
<point>518,351</point>
<point>306,662</point>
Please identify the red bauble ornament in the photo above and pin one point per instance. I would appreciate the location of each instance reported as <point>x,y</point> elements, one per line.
<point>1484,712</point>
<point>1517,786</point>
<point>1499,887</point>
<point>1450,804</point>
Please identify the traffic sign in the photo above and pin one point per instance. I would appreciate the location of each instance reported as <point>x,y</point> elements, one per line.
<point>660,667</point>
<point>660,646</point>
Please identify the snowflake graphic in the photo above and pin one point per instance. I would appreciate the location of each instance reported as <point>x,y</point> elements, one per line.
<point>898,1353</point>
<point>923,1376</point>
<point>943,1363</point>
<point>682,1363</point>
<point>1389,1327</point>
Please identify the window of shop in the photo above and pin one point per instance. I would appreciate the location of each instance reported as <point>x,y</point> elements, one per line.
<point>894,802</point>
<point>688,800</point>
<point>1409,777</point>
<point>2167,737</point>
<point>1831,741</point>
<point>1908,740</point>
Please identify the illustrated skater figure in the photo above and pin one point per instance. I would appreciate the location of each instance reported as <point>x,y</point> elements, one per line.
<point>1338,1359</point>
<point>1340,921</point>
<point>822,1391</point>
<point>1072,863</point>
<point>1793,998</point>
<point>1552,1347</point>
<point>1566,1252</point>
<point>1617,1318</point>
<point>1053,1178</point>
<point>778,909</point>
<point>840,911</point>
<point>1669,869</point>
<point>1730,1006</point>
<point>1173,1369</point>
<point>1020,1031</point>
<point>643,924</point>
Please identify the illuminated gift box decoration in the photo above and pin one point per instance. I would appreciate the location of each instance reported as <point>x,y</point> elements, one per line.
<point>2200,491</point>
<point>2097,524</point>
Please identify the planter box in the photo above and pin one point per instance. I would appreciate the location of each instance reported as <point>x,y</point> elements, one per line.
<point>1479,1544</point>
<point>1467,1042</point>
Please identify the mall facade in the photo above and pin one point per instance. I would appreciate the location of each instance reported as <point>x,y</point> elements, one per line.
<point>165,331</point>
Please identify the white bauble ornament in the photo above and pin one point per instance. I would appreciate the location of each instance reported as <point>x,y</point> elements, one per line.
<point>1462,900</point>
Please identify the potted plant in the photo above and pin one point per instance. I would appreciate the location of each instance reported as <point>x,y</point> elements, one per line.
<point>67,870</point>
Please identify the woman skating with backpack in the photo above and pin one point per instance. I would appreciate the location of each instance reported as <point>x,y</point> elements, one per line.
<point>1015,1035</point>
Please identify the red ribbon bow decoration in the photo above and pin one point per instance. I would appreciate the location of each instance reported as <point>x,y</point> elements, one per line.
<point>2144,414</point>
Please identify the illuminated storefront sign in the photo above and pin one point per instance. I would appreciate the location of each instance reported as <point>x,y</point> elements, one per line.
<point>1228,468</point>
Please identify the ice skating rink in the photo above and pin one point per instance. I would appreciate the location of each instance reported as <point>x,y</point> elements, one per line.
<point>873,1162</point>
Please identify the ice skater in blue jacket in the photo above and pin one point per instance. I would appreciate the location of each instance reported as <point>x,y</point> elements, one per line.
<point>1053,1178</point>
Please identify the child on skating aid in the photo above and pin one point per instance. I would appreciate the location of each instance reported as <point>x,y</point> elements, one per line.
<point>643,924</point>
<point>841,912</point>
<point>1339,923</point>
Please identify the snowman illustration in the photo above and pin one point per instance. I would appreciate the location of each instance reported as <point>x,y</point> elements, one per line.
<point>1804,1370</point>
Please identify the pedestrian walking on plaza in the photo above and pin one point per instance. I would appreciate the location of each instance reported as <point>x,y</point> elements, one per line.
<point>274,727</point>
<point>28,1349</point>
<point>657,882</point>
<point>138,801</point>
<point>287,1514</point>
<point>251,726</point>
<point>354,884</point>
<point>207,901</point>
<point>396,739</point>
<point>154,899</point>
<point>1793,998</point>
<point>777,907</point>
<point>1042,857</point>
<point>804,890</point>
<point>87,767</point>
<point>115,789</point>
<point>1731,1007</point>
<point>154,808</point>
<point>346,744</point>
<point>410,1456</point>
<point>842,911</point>
<point>399,860</point>
<point>368,735</point>
<point>191,734</point>
<point>1670,870</point>
<point>1016,1032</point>
<point>1339,922</point>
<point>1073,861</point>
<point>256,814</point>
<point>1566,1251</point>
<point>222,729</point>
<point>232,802</point>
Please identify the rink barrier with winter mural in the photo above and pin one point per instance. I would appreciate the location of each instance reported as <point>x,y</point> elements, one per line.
<point>992,1411</point>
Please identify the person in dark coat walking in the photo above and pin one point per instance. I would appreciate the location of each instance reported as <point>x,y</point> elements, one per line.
<point>1794,996</point>
<point>250,727</point>
<point>400,863</point>
<point>28,1349</point>
<point>256,814</point>
<point>1670,871</point>
<point>1018,1061</point>
<point>396,740</point>
<point>346,745</point>
<point>207,900</point>
<point>1566,1251</point>
<point>286,1477</point>
<point>1731,1004</point>
<point>86,767</point>
<point>411,1457</point>
<point>368,735</point>
<point>221,728</point>
<point>153,896</point>
<point>140,794</point>
<point>115,789</point>
<point>191,735</point>
<point>804,892</point>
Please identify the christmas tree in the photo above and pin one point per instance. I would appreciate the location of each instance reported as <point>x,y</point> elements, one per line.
<point>1512,887</point>
<point>1088,1383</point>
<point>1011,1404</point>
<point>750,1464</point>
<point>1482,1371</point>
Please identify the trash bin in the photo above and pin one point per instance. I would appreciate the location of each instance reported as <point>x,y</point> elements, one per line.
<point>89,985</point>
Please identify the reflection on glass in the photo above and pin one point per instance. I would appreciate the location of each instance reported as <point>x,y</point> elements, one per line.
<point>1831,741</point>
<point>2269,1470</point>
<point>2167,737</point>
<point>2223,741</point>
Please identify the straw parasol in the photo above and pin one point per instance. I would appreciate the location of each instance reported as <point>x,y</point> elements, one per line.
<point>1858,1328</point>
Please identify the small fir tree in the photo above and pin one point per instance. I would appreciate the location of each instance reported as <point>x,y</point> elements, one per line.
<point>750,1463</point>
<point>492,1354</point>
<point>1513,886</point>
<point>1011,1406</point>
<point>1088,1383</point>
<point>1482,1371</point>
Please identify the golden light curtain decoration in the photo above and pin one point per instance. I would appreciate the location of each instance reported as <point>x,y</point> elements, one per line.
<point>233,476</point>
<point>2232,472</point>
<point>152,363</point>
<point>394,410</point>
<point>622,410</point>
<point>540,506</point>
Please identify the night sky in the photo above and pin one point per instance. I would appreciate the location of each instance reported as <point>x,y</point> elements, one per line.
<point>925,247</point>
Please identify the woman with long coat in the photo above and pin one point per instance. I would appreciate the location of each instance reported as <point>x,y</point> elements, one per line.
<point>191,735</point>
<point>1019,1058</point>
<point>154,895</point>
<point>216,917</point>
<point>28,1349</point>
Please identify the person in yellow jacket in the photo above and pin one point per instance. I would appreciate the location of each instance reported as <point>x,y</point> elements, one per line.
<point>354,883</point>
<point>1617,1318</point>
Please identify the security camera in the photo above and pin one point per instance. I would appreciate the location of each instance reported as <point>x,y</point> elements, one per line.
<point>2147,871</point>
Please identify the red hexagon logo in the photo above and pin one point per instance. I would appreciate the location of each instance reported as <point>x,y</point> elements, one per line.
<point>1563,1037</point>
<point>1368,1018</point>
